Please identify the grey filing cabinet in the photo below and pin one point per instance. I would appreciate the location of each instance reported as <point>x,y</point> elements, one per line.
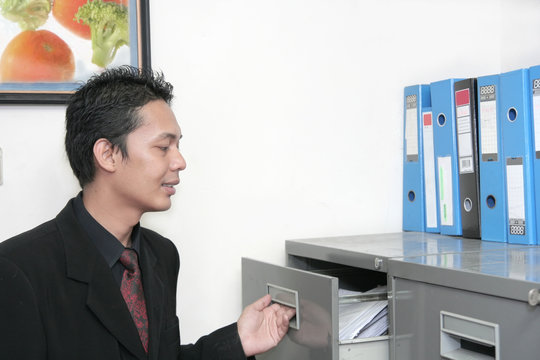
<point>469,305</point>
<point>317,268</point>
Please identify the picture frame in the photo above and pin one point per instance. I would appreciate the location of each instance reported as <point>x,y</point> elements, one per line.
<point>136,53</point>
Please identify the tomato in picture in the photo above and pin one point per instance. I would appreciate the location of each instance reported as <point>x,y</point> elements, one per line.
<point>37,56</point>
<point>64,12</point>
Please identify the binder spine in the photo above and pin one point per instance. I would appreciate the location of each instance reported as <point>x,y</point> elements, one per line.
<point>442,104</point>
<point>415,97</point>
<point>518,157</point>
<point>493,223</point>
<point>430,177</point>
<point>467,153</point>
<point>534,91</point>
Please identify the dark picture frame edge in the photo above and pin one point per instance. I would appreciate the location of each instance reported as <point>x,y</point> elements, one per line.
<point>62,97</point>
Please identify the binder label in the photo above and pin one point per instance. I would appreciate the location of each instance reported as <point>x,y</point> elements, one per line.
<point>464,132</point>
<point>430,197</point>
<point>411,128</point>
<point>515,191</point>
<point>488,123</point>
<point>445,190</point>
<point>536,116</point>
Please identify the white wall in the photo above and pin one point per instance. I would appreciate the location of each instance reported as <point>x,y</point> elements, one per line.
<point>292,118</point>
<point>519,29</point>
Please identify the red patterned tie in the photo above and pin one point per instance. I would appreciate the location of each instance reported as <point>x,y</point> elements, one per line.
<point>133,294</point>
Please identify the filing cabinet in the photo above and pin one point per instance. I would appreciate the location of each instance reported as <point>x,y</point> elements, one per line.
<point>475,305</point>
<point>310,282</point>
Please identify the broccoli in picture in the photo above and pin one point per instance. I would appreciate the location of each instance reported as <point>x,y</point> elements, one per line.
<point>29,14</point>
<point>109,28</point>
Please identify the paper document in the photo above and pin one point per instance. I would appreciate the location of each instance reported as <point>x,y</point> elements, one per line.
<point>360,319</point>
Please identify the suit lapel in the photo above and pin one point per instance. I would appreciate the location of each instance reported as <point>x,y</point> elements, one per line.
<point>105,300</point>
<point>153,291</point>
<point>84,263</point>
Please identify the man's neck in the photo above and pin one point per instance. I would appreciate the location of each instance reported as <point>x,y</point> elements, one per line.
<point>108,212</point>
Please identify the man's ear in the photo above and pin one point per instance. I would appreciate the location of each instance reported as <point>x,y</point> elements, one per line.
<point>104,155</point>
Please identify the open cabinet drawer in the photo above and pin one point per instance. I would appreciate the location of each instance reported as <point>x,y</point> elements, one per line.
<point>314,332</point>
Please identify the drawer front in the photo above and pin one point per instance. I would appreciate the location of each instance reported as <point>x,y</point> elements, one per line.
<point>316,325</point>
<point>427,315</point>
<point>369,349</point>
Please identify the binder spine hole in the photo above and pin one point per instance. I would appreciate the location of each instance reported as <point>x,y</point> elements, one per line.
<point>467,204</point>
<point>411,195</point>
<point>512,114</point>
<point>441,119</point>
<point>491,202</point>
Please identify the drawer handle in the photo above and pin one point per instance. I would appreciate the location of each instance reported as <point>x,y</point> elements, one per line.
<point>464,337</point>
<point>287,297</point>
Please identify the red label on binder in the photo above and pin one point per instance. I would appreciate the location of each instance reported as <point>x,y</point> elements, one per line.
<point>427,119</point>
<point>462,97</point>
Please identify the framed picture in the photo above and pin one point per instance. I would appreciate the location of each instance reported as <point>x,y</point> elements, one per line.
<point>48,48</point>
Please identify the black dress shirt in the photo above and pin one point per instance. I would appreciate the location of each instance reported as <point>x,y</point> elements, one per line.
<point>106,243</point>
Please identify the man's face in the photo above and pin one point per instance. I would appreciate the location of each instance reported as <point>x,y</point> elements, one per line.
<point>145,180</point>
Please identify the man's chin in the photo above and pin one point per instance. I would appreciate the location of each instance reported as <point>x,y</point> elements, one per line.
<point>160,207</point>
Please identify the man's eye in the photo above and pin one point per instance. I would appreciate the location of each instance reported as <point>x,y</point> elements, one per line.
<point>164,148</point>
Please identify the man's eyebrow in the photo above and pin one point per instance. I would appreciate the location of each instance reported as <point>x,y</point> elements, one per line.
<point>170,136</point>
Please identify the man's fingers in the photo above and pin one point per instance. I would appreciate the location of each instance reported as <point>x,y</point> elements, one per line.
<point>283,316</point>
<point>286,311</point>
<point>289,312</point>
<point>282,326</point>
<point>263,302</point>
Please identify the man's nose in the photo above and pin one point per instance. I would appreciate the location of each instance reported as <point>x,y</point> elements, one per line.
<point>178,162</point>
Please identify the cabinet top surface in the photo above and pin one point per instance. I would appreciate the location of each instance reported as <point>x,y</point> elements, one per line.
<point>394,245</point>
<point>520,262</point>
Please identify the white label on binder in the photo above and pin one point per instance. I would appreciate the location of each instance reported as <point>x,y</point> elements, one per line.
<point>465,145</point>
<point>488,126</point>
<point>464,124</point>
<point>429,171</point>
<point>515,192</point>
<point>411,131</point>
<point>462,111</point>
<point>445,190</point>
<point>536,113</point>
<point>465,153</point>
<point>463,117</point>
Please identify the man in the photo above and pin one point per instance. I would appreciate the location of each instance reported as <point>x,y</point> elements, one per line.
<point>92,283</point>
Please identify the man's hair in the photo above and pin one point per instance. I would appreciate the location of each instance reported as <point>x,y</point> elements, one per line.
<point>107,106</point>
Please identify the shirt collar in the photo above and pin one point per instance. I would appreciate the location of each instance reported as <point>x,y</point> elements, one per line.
<point>106,243</point>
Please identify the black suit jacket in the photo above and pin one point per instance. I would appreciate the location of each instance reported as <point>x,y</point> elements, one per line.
<point>59,300</point>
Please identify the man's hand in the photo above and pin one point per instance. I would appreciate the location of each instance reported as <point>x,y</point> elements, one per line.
<point>261,327</point>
